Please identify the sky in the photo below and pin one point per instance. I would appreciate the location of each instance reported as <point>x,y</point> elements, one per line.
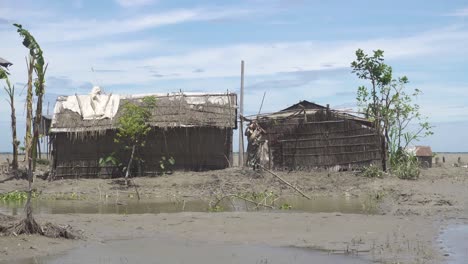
<point>293,50</point>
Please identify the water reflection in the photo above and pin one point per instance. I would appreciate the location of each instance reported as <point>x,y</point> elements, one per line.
<point>166,250</point>
<point>318,204</point>
<point>455,241</point>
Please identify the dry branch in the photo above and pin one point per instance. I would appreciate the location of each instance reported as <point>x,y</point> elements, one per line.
<point>285,182</point>
<point>9,179</point>
<point>242,198</point>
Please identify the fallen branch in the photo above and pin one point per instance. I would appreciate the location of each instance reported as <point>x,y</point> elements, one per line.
<point>251,201</point>
<point>15,174</point>
<point>285,182</point>
<point>245,199</point>
<point>8,179</point>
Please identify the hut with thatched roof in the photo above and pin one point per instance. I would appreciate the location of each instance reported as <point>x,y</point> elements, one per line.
<point>307,136</point>
<point>195,129</point>
<point>424,155</point>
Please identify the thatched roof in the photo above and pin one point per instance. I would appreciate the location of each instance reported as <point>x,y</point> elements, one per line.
<point>172,110</point>
<point>305,107</point>
<point>423,151</point>
<point>304,104</point>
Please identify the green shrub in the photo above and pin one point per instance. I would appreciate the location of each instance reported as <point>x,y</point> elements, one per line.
<point>16,196</point>
<point>406,167</point>
<point>372,171</point>
<point>166,164</point>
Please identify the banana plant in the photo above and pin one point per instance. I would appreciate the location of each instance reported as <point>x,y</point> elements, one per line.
<point>40,68</point>
<point>37,63</point>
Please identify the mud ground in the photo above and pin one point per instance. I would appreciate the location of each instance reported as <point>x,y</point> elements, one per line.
<point>411,213</point>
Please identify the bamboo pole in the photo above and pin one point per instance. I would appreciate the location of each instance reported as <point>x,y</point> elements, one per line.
<point>330,154</point>
<point>285,182</point>
<point>261,105</point>
<point>331,138</point>
<point>241,116</point>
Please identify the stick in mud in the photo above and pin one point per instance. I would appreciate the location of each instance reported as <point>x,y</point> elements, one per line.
<point>285,182</point>
<point>243,198</point>
<point>136,189</point>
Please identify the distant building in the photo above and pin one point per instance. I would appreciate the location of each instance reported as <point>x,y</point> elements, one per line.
<point>424,156</point>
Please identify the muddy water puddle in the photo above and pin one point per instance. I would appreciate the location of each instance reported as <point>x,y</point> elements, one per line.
<point>166,250</point>
<point>454,240</point>
<point>297,204</point>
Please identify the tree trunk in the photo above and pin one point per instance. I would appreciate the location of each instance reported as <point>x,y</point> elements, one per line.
<point>127,173</point>
<point>28,225</point>
<point>28,208</point>
<point>39,148</point>
<point>37,122</point>
<point>384,153</point>
<point>29,101</point>
<point>15,139</point>
<point>11,94</point>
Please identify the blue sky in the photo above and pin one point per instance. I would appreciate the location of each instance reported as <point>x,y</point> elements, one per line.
<point>294,50</point>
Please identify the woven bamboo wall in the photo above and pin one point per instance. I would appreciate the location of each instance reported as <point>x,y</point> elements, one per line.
<point>320,140</point>
<point>203,148</point>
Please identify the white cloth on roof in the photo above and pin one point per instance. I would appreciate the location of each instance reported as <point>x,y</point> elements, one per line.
<point>96,105</point>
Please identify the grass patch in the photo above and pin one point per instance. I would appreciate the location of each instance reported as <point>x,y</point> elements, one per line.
<point>372,171</point>
<point>16,196</point>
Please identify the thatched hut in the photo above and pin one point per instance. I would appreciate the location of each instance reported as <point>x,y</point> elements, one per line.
<point>424,156</point>
<point>308,136</point>
<point>195,129</point>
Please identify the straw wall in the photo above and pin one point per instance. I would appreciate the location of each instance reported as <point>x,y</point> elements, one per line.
<point>203,148</point>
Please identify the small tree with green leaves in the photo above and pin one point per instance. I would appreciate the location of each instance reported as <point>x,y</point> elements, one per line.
<point>40,67</point>
<point>29,225</point>
<point>389,106</point>
<point>133,127</point>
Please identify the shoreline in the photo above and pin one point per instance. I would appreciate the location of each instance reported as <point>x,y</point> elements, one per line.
<point>411,214</point>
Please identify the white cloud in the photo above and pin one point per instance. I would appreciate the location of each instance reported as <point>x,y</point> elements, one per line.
<point>76,60</point>
<point>460,13</point>
<point>72,30</point>
<point>271,58</point>
<point>134,3</point>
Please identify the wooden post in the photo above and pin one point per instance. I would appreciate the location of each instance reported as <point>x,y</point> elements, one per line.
<point>241,116</point>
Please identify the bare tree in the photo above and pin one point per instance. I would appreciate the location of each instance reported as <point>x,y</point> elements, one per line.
<point>10,89</point>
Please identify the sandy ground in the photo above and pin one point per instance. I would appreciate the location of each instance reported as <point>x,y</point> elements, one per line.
<point>411,212</point>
